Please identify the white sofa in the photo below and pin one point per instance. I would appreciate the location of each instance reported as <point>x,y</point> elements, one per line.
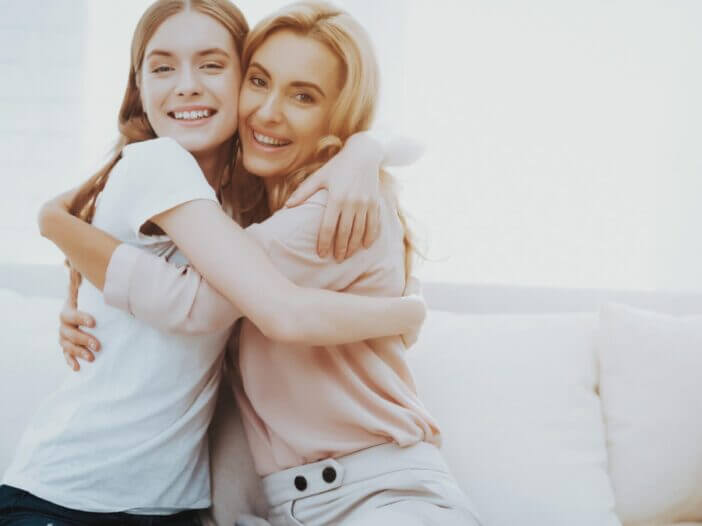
<point>555,411</point>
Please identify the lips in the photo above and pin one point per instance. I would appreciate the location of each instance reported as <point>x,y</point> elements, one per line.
<point>268,140</point>
<point>191,114</point>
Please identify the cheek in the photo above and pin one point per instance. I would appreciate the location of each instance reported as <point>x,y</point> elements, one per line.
<point>153,94</point>
<point>311,126</point>
<point>248,101</point>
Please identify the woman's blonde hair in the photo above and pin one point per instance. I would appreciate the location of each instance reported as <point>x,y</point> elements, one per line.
<point>132,121</point>
<point>352,112</point>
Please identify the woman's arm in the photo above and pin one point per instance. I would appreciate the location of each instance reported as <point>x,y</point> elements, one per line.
<point>161,294</point>
<point>240,269</point>
<point>166,296</point>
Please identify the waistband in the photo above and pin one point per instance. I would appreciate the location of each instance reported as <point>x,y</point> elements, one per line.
<point>325,475</point>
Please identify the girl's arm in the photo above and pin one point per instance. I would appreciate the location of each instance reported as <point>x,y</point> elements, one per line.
<point>163,295</point>
<point>352,215</point>
<point>239,268</point>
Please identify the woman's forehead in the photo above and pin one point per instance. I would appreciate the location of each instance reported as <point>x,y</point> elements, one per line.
<point>291,56</point>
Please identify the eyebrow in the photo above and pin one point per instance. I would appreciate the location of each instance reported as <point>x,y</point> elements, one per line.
<point>297,83</point>
<point>204,52</point>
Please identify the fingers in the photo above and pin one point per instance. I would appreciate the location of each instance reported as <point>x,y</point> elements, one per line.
<point>410,337</point>
<point>72,362</point>
<point>307,189</point>
<point>343,234</point>
<point>71,316</point>
<point>75,336</point>
<point>328,228</point>
<point>357,232</point>
<point>372,226</point>
<point>412,287</point>
<point>74,351</point>
<point>74,342</point>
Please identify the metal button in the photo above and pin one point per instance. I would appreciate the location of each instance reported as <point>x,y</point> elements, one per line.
<point>301,483</point>
<point>329,475</point>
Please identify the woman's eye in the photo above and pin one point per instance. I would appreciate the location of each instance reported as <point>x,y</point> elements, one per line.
<point>162,69</point>
<point>258,82</point>
<point>304,98</point>
<point>212,65</point>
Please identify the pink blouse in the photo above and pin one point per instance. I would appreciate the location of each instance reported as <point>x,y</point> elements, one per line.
<point>299,403</point>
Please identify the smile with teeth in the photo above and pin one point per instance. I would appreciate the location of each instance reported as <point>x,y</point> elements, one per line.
<point>269,141</point>
<point>191,115</point>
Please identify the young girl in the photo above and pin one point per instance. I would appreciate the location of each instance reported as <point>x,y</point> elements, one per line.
<point>123,442</point>
<point>336,432</point>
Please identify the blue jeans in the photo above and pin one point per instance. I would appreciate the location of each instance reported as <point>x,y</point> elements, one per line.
<point>21,508</point>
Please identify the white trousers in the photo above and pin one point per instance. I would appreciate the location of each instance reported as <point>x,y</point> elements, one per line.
<point>383,485</point>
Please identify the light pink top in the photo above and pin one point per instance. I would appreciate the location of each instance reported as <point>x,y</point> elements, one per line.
<point>299,404</point>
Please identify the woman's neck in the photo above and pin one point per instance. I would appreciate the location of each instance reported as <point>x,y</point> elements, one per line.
<point>270,183</point>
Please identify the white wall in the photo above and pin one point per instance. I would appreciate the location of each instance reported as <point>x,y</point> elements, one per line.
<point>563,137</point>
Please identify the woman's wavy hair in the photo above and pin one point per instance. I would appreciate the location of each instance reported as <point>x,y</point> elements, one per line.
<point>352,112</point>
<point>133,123</point>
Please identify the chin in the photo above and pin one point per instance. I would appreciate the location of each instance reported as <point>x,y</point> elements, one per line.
<point>261,168</point>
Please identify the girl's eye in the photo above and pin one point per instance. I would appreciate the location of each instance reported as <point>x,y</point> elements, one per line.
<point>258,82</point>
<point>162,69</point>
<point>212,65</point>
<point>304,98</point>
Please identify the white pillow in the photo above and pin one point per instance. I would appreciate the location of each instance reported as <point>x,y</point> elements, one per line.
<point>522,424</point>
<point>651,387</point>
<point>31,362</point>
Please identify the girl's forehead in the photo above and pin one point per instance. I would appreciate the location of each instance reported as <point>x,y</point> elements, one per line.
<point>191,32</point>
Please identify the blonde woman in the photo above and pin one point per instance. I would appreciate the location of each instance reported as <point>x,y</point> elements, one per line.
<point>337,432</point>
<point>123,442</point>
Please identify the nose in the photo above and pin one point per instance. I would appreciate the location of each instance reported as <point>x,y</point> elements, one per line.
<point>269,110</point>
<point>188,83</point>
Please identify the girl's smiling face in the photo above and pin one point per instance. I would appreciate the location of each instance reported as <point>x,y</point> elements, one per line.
<point>189,82</point>
<point>286,98</point>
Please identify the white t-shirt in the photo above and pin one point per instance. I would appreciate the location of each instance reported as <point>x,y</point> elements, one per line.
<point>128,431</point>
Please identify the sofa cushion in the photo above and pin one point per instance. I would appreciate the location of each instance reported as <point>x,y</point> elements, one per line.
<point>651,387</point>
<point>515,396</point>
<point>31,362</point>
<point>236,488</point>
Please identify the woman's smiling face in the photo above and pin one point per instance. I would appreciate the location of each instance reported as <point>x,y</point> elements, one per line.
<point>189,82</point>
<point>286,98</point>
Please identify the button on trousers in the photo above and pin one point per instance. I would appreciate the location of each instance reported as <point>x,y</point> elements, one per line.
<point>383,485</point>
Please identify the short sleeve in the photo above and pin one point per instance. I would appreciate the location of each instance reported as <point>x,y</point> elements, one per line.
<point>157,175</point>
<point>163,295</point>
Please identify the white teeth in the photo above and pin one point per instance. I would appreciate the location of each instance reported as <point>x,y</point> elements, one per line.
<point>191,115</point>
<point>269,140</point>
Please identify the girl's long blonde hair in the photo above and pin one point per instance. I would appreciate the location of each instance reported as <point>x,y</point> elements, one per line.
<point>352,112</point>
<point>133,123</point>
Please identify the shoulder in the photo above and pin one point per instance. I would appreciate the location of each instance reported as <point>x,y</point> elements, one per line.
<point>159,162</point>
<point>159,145</point>
<point>296,222</point>
<point>159,153</point>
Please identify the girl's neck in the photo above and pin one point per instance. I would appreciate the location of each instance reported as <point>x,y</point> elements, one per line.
<point>212,165</point>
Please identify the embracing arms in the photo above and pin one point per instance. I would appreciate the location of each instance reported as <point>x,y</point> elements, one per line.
<point>90,251</point>
<point>240,269</point>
